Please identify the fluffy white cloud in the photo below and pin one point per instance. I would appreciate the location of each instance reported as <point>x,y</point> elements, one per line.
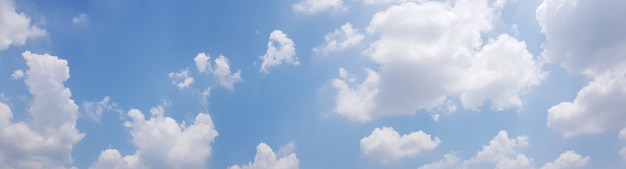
<point>386,145</point>
<point>223,74</point>
<point>111,158</point>
<point>597,107</point>
<point>163,143</point>
<point>596,49</point>
<point>202,62</point>
<point>94,109</point>
<point>596,46</point>
<point>431,53</point>
<point>567,160</point>
<point>81,18</point>
<point>181,79</point>
<point>356,100</point>
<point>449,160</point>
<point>17,74</point>
<point>503,152</point>
<point>341,38</point>
<point>280,49</point>
<point>15,26</point>
<point>221,71</point>
<point>316,6</point>
<point>46,140</point>
<point>265,158</point>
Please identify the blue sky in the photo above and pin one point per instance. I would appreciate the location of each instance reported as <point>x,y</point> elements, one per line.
<point>313,84</point>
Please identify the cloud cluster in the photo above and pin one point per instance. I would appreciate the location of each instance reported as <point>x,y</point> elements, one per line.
<point>163,143</point>
<point>181,79</point>
<point>46,140</point>
<point>16,27</point>
<point>596,48</point>
<point>221,70</point>
<point>386,145</point>
<point>280,49</point>
<point>265,158</point>
<point>430,54</point>
<point>503,153</point>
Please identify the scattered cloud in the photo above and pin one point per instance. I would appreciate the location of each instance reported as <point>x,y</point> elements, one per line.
<point>266,159</point>
<point>223,74</point>
<point>567,160</point>
<point>503,152</point>
<point>47,138</point>
<point>181,79</point>
<point>340,39</point>
<point>163,143</point>
<point>315,6</point>
<point>221,71</point>
<point>439,43</point>
<point>17,74</point>
<point>280,49</point>
<point>81,18</point>
<point>94,109</point>
<point>386,145</point>
<point>16,27</point>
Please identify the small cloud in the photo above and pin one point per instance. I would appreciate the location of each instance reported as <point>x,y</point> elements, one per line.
<point>280,49</point>
<point>18,74</point>
<point>82,18</point>
<point>181,79</point>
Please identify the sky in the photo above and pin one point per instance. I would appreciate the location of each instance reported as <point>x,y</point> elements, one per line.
<point>313,84</point>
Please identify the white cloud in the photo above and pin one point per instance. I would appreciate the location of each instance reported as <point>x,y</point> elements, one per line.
<point>567,160</point>
<point>111,158</point>
<point>622,152</point>
<point>386,145</point>
<point>15,26</point>
<point>596,46</point>
<point>221,71</point>
<point>355,101</point>
<point>341,38</point>
<point>202,62</point>
<point>223,74</point>
<point>440,43</point>
<point>596,49</point>
<point>449,160</point>
<point>17,74</point>
<point>94,109</point>
<point>81,18</point>
<point>597,107</point>
<point>280,49</point>
<point>503,151</point>
<point>316,6</point>
<point>163,143</point>
<point>266,159</point>
<point>622,134</point>
<point>181,79</point>
<point>46,140</point>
